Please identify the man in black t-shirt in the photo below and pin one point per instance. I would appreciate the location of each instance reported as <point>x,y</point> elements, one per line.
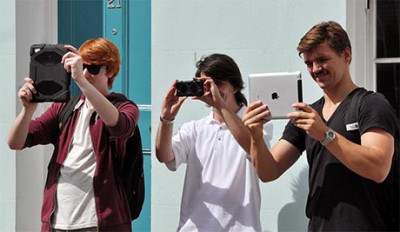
<point>354,167</point>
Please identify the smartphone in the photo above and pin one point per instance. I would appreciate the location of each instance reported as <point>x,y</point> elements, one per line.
<point>190,88</point>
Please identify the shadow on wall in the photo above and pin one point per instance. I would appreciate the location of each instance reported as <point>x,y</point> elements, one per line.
<point>292,216</point>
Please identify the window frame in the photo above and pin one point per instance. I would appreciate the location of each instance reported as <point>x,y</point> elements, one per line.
<point>361,27</point>
<point>357,21</point>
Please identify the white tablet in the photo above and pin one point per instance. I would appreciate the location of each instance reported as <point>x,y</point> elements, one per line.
<point>278,90</point>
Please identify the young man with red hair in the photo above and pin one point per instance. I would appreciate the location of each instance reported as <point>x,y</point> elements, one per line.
<point>81,192</point>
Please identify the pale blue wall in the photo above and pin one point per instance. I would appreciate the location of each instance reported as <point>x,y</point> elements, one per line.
<point>22,178</point>
<point>262,37</point>
<point>7,114</point>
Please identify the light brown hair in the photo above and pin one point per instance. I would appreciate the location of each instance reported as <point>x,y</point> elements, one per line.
<point>330,31</point>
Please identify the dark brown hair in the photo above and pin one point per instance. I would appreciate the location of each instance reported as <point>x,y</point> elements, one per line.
<point>220,68</point>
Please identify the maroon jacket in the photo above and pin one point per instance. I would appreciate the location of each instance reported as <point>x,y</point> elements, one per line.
<point>111,204</point>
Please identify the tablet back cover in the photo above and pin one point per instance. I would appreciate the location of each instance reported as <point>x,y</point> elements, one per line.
<point>51,80</point>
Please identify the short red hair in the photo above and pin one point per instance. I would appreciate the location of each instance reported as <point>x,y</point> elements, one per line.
<point>101,51</point>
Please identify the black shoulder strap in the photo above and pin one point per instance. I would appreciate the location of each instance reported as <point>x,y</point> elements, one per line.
<point>67,111</point>
<point>352,114</point>
<point>118,102</point>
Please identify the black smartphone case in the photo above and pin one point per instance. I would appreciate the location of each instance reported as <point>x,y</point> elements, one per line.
<point>51,80</point>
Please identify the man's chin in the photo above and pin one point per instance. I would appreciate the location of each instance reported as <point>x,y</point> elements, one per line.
<point>322,85</point>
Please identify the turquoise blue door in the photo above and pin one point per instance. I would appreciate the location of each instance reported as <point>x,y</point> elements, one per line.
<point>128,24</point>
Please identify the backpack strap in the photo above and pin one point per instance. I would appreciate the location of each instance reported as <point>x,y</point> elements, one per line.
<point>67,111</point>
<point>352,114</point>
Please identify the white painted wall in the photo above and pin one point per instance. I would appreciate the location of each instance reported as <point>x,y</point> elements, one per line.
<point>261,36</point>
<point>36,22</point>
<point>7,114</point>
<point>22,23</point>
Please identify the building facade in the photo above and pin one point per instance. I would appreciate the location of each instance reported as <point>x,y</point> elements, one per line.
<point>160,40</point>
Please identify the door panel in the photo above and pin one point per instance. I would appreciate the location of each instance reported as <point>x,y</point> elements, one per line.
<point>77,22</point>
<point>127,24</point>
<point>140,50</point>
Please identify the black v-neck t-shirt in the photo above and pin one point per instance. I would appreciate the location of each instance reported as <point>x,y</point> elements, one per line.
<point>339,199</point>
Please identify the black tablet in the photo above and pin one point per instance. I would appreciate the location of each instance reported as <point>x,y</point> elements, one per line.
<point>51,80</point>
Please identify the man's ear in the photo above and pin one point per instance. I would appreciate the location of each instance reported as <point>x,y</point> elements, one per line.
<point>110,75</point>
<point>347,54</point>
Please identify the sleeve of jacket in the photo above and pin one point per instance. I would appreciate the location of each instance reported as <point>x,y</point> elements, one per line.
<point>127,120</point>
<point>44,129</point>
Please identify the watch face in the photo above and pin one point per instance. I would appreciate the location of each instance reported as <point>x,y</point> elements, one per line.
<point>331,134</point>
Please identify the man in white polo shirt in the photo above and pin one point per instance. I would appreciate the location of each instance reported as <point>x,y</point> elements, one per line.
<point>221,189</point>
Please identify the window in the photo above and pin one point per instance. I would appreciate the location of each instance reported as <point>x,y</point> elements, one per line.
<point>384,18</point>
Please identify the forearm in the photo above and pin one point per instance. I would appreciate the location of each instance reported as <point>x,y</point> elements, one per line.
<point>103,107</point>
<point>369,161</point>
<point>19,130</point>
<point>237,128</point>
<point>164,151</point>
<point>263,161</point>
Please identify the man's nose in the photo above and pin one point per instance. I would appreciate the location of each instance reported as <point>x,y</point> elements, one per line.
<point>316,68</point>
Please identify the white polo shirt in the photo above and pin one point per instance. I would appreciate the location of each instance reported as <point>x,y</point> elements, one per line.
<point>221,190</point>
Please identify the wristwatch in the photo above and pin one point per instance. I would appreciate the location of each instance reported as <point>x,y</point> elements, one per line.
<point>329,137</point>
